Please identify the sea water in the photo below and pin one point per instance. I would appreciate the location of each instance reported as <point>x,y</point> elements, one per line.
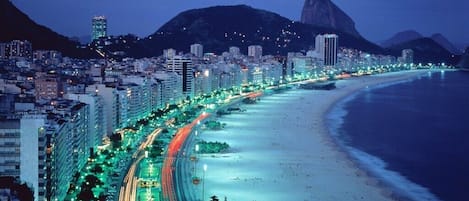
<point>413,135</point>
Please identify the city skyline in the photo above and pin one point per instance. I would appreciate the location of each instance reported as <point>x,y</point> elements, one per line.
<point>85,122</point>
<point>426,17</point>
<point>231,102</point>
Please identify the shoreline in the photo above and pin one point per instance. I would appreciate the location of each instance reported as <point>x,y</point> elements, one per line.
<point>331,163</point>
<point>372,178</point>
<point>393,184</point>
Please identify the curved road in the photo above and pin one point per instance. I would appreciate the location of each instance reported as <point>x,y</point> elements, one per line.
<point>175,172</point>
<point>128,191</point>
<point>170,182</point>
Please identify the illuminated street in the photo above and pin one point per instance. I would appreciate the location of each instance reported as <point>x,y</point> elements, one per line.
<point>135,100</point>
<point>128,191</point>
<point>168,172</point>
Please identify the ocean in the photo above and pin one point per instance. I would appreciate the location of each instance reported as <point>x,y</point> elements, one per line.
<point>413,135</point>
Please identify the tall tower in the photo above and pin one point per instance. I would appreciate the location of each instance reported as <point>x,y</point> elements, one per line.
<point>99,24</point>
<point>326,48</point>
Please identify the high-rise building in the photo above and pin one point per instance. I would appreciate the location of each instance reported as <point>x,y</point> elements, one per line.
<point>169,53</point>
<point>77,115</point>
<point>47,56</point>
<point>203,81</point>
<point>169,89</point>
<point>60,169</point>
<point>44,149</point>
<point>408,56</point>
<point>135,92</point>
<point>272,72</point>
<point>47,87</point>
<point>10,135</point>
<point>183,67</point>
<point>255,51</point>
<point>22,141</point>
<point>97,120</point>
<point>326,48</point>
<point>197,50</point>
<point>302,65</point>
<point>4,50</point>
<point>108,93</point>
<point>256,75</point>
<point>19,48</point>
<point>99,25</point>
<point>155,95</point>
<point>66,139</point>
<point>234,51</point>
<point>32,153</point>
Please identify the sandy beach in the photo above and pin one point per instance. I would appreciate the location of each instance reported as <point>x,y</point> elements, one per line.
<point>281,149</point>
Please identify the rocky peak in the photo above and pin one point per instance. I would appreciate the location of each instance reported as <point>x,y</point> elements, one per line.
<point>325,13</point>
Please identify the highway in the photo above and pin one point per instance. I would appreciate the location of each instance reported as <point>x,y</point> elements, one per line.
<point>169,182</point>
<point>128,190</point>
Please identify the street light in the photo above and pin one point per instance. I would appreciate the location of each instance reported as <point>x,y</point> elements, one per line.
<point>195,160</point>
<point>151,169</point>
<point>203,182</point>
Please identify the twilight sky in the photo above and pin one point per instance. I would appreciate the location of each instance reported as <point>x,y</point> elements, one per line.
<point>375,19</point>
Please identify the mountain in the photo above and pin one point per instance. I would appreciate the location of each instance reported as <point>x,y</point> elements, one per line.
<point>401,37</point>
<point>218,28</point>
<point>410,35</point>
<point>464,62</point>
<point>82,39</point>
<point>426,50</point>
<point>324,13</point>
<point>461,46</point>
<point>440,39</point>
<point>18,26</point>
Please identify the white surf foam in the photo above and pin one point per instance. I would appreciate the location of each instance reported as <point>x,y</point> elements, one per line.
<point>398,182</point>
<point>376,166</point>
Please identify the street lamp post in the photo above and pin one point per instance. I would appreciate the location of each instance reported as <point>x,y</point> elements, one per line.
<point>203,182</point>
<point>195,160</point>
<point>151,170</point>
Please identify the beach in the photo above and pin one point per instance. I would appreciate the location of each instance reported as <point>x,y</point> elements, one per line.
<point>281,149</point>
